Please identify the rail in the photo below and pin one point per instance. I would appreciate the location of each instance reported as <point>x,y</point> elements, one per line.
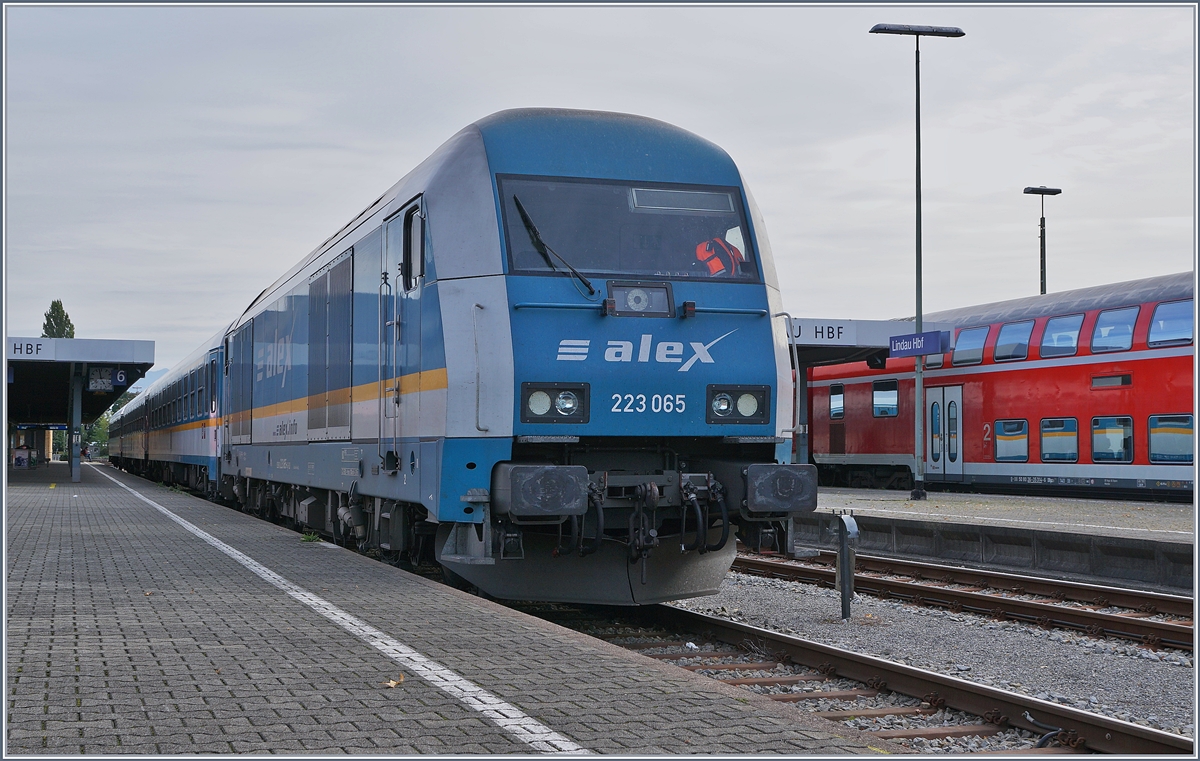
<point>985,595</point>
<point>1078,729</point>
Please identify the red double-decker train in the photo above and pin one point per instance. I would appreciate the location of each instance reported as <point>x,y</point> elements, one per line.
<point>1087,390</point>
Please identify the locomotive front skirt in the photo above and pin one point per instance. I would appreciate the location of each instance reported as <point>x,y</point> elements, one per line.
<point>551,359</point>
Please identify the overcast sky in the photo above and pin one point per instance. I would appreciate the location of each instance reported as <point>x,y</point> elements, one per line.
<point>165,164</point>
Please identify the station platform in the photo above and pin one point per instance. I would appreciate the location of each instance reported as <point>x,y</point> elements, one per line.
<point>1148,545</point>
<point>1157,521</point>
<point>142,620</point>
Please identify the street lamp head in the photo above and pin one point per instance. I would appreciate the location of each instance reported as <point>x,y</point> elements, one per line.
<point>1042,190</point>
<point>920,31</point>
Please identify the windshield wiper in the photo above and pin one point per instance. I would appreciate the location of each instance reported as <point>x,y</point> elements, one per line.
<point>545,250</point>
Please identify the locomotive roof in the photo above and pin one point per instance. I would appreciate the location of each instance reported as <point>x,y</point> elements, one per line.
<point>562,142</point>
<point>551,142</point>
<point>1161,288</point>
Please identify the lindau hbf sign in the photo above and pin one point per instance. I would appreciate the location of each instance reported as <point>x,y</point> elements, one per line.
<point>919,344</point>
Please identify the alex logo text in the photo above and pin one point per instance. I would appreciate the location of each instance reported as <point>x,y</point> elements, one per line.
<point>647,349</point>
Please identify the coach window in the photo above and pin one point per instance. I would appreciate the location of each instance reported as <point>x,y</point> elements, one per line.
<point>933,361</point>
<point>885,399</point>
<point>1013,341</point>
<point>1171,324</point>
<point>837,398</point>
<point>1060,440</point>
<point>968,349</point>
<point>952,431</point>
<point>1171,439</point>
<point>1112,439</point>
<point>1012,441</point>
<point>1114,330</point>
<point>1061,336</point>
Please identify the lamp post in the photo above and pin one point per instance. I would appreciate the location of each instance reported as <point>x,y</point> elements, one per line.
<point>918,491</point>
<point>1043,191</point>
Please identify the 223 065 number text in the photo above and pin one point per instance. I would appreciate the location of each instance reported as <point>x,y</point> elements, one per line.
<point>654,403</point>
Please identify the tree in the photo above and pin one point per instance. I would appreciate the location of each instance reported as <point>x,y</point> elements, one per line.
<point>97,434</point>
<point>58,324</point>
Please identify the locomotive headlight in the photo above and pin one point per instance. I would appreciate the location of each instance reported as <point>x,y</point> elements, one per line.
<point>637,300</point>
<point>747,405</point>
<point>554,403</point>
<point>539,403</point>
<point>567,403</point>
<point>722,404</point>
<point>641,299</point>
<point>751,403</point>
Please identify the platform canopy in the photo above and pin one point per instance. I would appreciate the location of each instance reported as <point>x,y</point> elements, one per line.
<point>40,372</point>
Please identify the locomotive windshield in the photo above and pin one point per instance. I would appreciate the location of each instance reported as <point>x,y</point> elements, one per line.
<point>627,229</point>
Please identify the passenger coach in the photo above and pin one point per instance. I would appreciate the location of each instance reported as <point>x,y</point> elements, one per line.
<point>550,358</point>
<point>1089,389</point>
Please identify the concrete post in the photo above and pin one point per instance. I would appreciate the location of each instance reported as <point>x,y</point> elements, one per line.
<point>847,541</point>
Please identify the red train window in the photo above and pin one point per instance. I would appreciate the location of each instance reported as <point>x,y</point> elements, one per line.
<point>1172,323</point>
<point>1114,330</point>
<point>1012,441</point>
<point>1061,336</point>
<point>1171,439</point>
<point>1060,440</point>
<point>968,349</point>
<point>1013,341</point>
<point>1112,439</point>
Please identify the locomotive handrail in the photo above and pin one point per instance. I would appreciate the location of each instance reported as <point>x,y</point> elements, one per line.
<point>796,370</point>
<point>710,310</point>
<point>537,305</point>
<point>732,310</point>
<point>381,360</point>
<point>478,377</point>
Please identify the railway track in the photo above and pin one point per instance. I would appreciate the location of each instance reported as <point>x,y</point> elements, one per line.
<point>1152,619</point>
<point>870,694</point>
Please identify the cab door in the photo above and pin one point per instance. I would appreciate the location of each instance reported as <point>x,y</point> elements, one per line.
<point>212,421</point>
<point>400,338</point>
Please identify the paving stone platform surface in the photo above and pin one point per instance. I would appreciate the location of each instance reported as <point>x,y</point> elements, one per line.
<point>127,634</point>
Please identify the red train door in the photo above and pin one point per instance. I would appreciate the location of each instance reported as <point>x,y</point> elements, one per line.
<point>943,426</point>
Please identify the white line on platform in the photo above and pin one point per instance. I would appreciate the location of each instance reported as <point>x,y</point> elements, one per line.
<point>508,717</point>
<point>992,519</point>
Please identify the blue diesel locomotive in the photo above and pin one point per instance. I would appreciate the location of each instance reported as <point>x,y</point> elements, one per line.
<point>549,358</point>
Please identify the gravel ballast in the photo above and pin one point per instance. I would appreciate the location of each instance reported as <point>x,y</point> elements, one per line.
<point>1111,677</point>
